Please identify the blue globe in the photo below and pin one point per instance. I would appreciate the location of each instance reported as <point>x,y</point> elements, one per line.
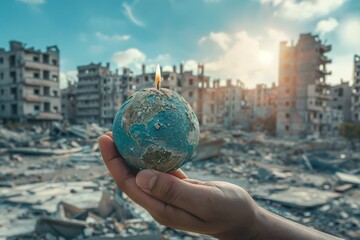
<point>156,129</point>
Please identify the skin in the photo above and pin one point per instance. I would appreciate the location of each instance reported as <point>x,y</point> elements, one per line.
<point>219,209</point>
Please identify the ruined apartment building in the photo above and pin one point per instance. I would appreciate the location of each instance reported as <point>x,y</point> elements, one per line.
<point>29,84</point>
<point>355,101</point>
<point>224,105</point>
<point>68,102</point>
<point>341,99</point>
<point>262,100</point>
<point>98,94</point>
<point>303,93</point>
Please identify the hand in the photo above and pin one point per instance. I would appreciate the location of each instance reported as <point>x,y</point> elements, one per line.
<point>220,209</point>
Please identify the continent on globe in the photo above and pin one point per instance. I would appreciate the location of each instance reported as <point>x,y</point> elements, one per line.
<point>156,129</point>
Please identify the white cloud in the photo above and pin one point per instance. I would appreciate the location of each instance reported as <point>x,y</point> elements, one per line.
<point>326,25</point>
<point>191,65</point>
<point>252,59</point>
<point>32,2</point>
<point>349,33</point>
<point>131,57</point>
<point>96,49</point>
<point>114,38</point>
<point>83,37</point>
<point>303,10</point>
<point>127,10</point>
<point>220,38</point>
<point>68,76</point>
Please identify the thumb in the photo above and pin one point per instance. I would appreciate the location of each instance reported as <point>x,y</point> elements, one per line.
<point>172,190</point>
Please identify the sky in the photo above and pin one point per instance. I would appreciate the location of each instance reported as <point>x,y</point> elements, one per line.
<point>235,39</point>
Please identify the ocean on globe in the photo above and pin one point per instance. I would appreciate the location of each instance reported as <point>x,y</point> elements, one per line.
<point>156,129</point>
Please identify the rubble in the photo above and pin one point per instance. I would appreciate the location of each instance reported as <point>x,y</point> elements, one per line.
<point>53,192</point>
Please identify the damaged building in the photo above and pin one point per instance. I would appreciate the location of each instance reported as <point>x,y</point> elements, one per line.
<point>303,93</point>
<point>355,107</point>
<point>29,84</point>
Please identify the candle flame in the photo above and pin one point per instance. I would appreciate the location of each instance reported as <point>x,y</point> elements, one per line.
<point>158,77</point>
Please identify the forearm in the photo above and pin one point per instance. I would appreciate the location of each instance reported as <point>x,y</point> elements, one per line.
<point>272,226</point>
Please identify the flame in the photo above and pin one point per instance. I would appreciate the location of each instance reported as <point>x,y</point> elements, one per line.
<point>158,77</point>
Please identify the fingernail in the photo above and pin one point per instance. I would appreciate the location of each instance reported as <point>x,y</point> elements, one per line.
<point>146,179</point>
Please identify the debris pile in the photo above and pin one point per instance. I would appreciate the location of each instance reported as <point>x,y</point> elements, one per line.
<point>53,184</point>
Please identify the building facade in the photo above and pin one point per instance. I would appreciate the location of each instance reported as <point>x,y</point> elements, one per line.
<point>303,93</point>
<point>341,99</point>
<point>29,84</point>
<point>355,101</point>
<point>68,102</point>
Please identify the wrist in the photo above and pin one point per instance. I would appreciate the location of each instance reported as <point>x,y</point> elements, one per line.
<point>250,229</point>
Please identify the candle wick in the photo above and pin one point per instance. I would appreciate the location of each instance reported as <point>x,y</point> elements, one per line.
<point>158,85</point>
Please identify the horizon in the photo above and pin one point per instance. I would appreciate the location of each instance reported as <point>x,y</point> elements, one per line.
<point>233,39</point>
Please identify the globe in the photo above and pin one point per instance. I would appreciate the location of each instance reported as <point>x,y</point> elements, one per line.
<point>156,129</point>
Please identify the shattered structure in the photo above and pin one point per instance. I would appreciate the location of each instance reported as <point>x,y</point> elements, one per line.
<point>355,107</point>
<point>303,94</point>
<point>51,194</point>
<point>29,84</point>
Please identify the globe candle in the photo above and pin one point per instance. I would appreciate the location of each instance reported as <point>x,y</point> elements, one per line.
<point>156,129</point>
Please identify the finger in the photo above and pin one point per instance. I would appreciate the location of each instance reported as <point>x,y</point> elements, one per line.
<point>177,192</point>
<point>178,173</point>
<point>162,212</point>
<point>109,133</point>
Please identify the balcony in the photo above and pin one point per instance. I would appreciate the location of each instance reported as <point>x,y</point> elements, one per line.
<point>42,66</point>
<point>325,60</point>
<point>45,116</point>
<point>39,98</point>
<point>323,72</point>
<point>40,82</point>
<point>325,48</point>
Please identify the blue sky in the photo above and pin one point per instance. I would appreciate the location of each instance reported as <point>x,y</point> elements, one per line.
<point>234,38</point>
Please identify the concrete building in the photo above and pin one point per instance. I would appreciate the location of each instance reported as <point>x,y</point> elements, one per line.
<point>303,93</point>
<point>355,101</point>
<point>224,105</point>
<point>68,102</point>
<point>262,100</point>
<point>341,99</point>
<point>29,84</point>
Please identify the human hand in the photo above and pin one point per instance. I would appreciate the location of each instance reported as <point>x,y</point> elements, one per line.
<point>220,209</point>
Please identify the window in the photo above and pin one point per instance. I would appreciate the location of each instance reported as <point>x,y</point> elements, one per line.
<point>12,60</point>
<point>13,76</point>
<point>36,91</point>
<point>47,107</point>
<point>1,75</point>
<point>287,103</point>
<point>1,60</point>
<point>190,94</point>
<point>14,109</point>
<point>2,107</point>
<point>287,115</point>
<point>56,109</point>
<point>54,62</point>
<point>191,81</point>
<point>339,107</point>
<point>287,128</point>
<point>340,92</point>
<point>55,93</point>
<point>13,92</point>
<point>55,78</point>
<point>2,91</point>
<point>36,58</point>
<point>46,75</point>
<point>36,75</point>
<point>46,58</point>
<point>36,108</point>
<point>46,91</point>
